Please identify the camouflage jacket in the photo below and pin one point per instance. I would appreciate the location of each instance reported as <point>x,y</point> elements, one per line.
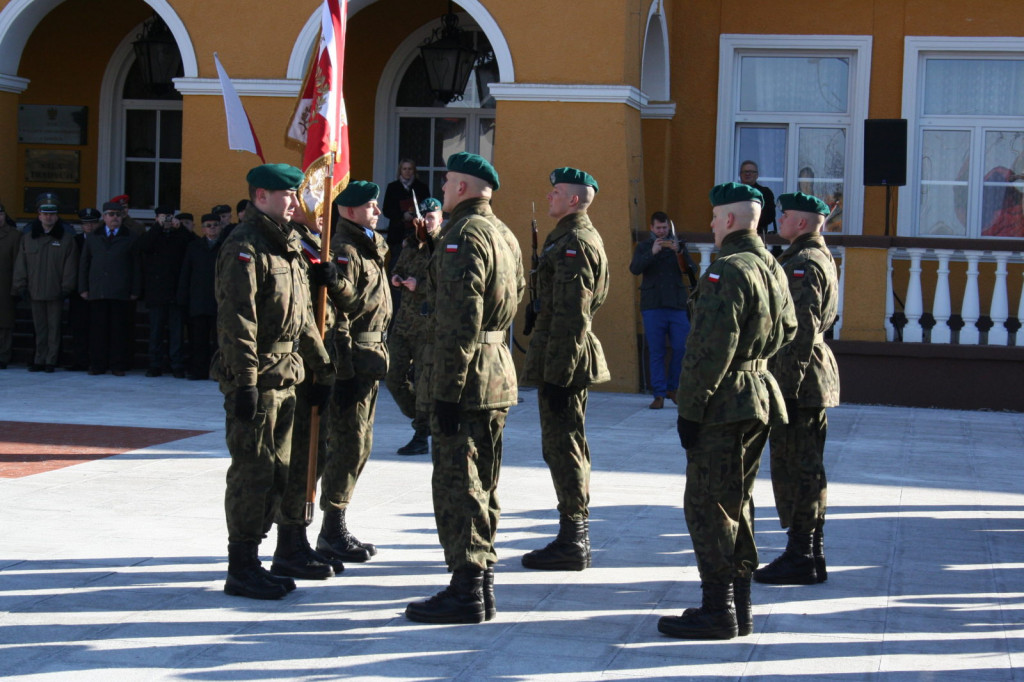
<point>478,282</point>
<point>264,319</point>
<point>363,302</point>
<point>413,261</point>
<point>310,243</point>
<point>741,315</point>
<point>572,283</point>
<point>806,369</point>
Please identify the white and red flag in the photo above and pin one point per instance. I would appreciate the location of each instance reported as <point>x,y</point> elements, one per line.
<point>319,125</point>
<point>241,134</point>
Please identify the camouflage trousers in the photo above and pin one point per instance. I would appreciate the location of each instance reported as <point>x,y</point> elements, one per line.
<point>293,504</point>
<point>465,487</point>
<point>718,503</point>
<point>403,365</point>
<point>564,445</point>
<point>349,442</point>
<point>798,470</point>
<point>260,453</point>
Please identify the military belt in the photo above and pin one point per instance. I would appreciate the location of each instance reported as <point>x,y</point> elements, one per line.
<point>370,337</point>
<point>491,337</point>
<point>749,366</point>
<point>282,347</point>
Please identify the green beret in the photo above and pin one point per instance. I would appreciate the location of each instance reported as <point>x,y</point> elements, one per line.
<point>734,192</point>
<point>357,193</point>
<point>808,203</point>
<point>429,205</point>
<point>475,165</point>
<point>573,176</point>
<point>273,176</point>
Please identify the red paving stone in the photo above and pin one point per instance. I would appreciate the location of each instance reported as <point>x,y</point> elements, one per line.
<point>28,448</point>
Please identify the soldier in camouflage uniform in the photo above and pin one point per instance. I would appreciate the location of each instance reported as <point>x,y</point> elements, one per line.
<point>809,380</point>
<point>363,304</point>
<point>266,332</point>
<point>406,338</point>
<point>565,358</point>
<point>477,274</point>
<point>742,314</point>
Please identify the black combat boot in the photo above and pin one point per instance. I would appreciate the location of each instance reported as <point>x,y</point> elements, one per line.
<point>335,542</point>
<point>490,608</point>
<point>795,566</point>
<point>567,552</point>
<point>715,619</point>
<point>818,551</point>
<point>419,445</point>
<point>295,558</point>
<point>744,613</point>
<point>245,575</point>
<point>461,602</point>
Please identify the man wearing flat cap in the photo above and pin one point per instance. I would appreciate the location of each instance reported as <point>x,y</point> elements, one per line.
<point>477,279</point>
<point>362,300</point>
<point>809,380</point>
<point>266,334</point>
<point>741,315</point>
<point>565,358</point>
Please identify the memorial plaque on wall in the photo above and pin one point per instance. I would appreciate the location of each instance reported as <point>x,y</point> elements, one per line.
<point>67,198</point>
<point>52,124</point>
<point>51,165</point>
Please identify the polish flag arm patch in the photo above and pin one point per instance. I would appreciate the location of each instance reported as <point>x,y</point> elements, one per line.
<point>341,260</point>
<point>570,253</point>
<point>798,274</point>
<point>713,277</point>
<point>244,257</point>
<point>451,248</point>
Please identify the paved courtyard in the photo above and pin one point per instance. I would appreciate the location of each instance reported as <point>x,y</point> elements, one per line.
<point>112,567</point>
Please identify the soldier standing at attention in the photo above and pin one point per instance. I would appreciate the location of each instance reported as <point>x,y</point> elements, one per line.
<point>565,357</point>
<point>742,315</point>
<point>477,273</point>
<point>363,304</point>
<point>266,333</point>
<point>809,380</point>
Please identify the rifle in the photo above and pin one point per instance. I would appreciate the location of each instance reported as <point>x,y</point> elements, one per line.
<point>683,258</point>
<point>534,307</point>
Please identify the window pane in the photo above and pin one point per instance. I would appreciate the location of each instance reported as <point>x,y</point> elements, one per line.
<point>449,138</point>
<point>974,87</point>
<point>1001,214</point>
<point>140,134</point>
<point>767,148</point>
<point>945,168</point>
<point>170,134</point>
<point>139,183</point>
<point>766,84</point>
<point>170,185</point>
<point>414,141</point>
<point>487,138</point>
<point>821,167</point>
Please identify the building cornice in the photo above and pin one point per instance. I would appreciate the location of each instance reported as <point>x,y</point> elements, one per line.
<point>661,110</point>
<point>565,92</point>
<point>15,84</point>
<point>253,87</point>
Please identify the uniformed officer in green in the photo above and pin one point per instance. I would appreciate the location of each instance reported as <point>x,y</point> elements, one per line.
<point>363,303</point>
<point>565,358</point>
<point>477,274</point>
<point>742,314</point>
<point>406,338</point>
<point>265,333</point>
<point>809,380</point>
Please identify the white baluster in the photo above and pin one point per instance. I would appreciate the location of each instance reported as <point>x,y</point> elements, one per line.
<point>705,255</point>
<point>890,307</point>
<point>971,310</point>
<point>842,293</point>
<point>1000,309</point>
<point>941,307</point>
<point>913,307</point>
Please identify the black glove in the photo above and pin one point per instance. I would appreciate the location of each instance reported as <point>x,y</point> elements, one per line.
<point>324,274</point>
<point>318,396</point>
<point>687,432</point>
<point>344,393</point>
<point>792,407</point>
<point>447,416</point>
<point>246,399</point>
<point>557,396</point>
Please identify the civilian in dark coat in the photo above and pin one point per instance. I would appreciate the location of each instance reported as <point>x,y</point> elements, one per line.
<point>78,308</point>
<point>196,297</point>
<point>400,208</point>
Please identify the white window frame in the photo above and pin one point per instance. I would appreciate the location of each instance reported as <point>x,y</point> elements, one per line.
<point>916,50</point>
<point>732,47</point>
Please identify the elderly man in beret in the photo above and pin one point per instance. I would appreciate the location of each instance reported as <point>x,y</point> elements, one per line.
<point>266,334</point>
<point>362,299</point>
<point>742,315</point>
<point>565,358</point>
<point>405,340</point>
<point>477,279</point>
<point>809,380</point>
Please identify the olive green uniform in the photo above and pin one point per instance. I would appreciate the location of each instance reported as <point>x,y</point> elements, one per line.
<point>572,283</point>
<point>809,378</point>
<point>363,304</point>
<point>477,274</point>
<point>265,333</point>
<point>741,314</point>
